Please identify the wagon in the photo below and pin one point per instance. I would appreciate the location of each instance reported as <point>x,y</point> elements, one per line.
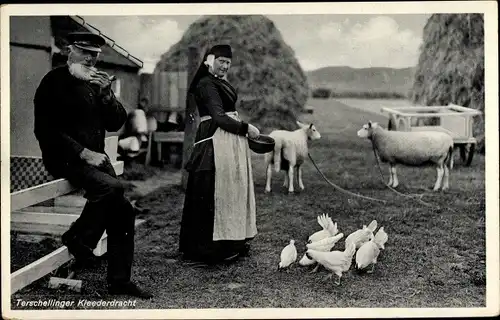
<point>452,119</point>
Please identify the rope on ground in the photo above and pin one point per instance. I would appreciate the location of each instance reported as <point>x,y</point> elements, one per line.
<point>341,189</point>
<point>411,196</point>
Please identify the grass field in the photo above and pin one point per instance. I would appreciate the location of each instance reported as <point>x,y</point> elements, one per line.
<point>435,256</point>
<point>373,105</point>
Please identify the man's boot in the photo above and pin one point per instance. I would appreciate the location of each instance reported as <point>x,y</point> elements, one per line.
<point>121,255</point>
<point>120,258</point>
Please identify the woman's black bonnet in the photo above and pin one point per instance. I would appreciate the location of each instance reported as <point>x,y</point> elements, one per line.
<point>221,50</point>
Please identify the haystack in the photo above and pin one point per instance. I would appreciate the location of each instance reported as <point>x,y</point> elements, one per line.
<point>451,65</point>
<point>272,87</point>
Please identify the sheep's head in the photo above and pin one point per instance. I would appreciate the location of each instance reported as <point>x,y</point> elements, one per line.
<point>311,131</point>
<point>367,130</point>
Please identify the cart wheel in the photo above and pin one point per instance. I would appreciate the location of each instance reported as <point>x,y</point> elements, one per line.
<point>471,153</point>
<point>463,152</point>
<point>467,153</point>
<point>390,125</point>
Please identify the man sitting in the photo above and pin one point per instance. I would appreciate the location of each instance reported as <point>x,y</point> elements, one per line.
<point>74,107</point>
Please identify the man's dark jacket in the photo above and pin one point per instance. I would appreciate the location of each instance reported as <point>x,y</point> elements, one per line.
<point>71,115</point>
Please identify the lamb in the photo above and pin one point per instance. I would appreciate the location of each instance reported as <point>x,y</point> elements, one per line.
<point>418,149</point>
<point>290,151</point>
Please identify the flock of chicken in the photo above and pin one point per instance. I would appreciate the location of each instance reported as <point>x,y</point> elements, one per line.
<point>320,244</point>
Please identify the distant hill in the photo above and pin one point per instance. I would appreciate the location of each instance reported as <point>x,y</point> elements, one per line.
<point>342,79</point>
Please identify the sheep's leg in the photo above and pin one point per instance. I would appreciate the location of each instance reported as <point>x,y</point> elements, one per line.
<point>290,178</point>
<point>290,155</point>
<point>299,175</point>
<point>446,179</point>
<point>285,181</point>
<point>440,173</point>
<point>395,181</point>
<point>268,178</point>
<point>390,177</point>
<point>277,157</point>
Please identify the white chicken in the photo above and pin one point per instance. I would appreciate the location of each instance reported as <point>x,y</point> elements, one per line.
<point>335,261</point>
<point>369,251</point>
<point>324,245</point>
<point>381,238</point>
<point>360,236</point>
<point>329,229</point>
<point>288,255</point>
<point>305,261</point>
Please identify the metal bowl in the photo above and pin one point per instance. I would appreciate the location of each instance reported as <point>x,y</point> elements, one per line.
<point>262,144</point>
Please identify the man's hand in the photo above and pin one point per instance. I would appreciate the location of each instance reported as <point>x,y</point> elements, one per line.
<point>102,79</point>
<point>93,158</point>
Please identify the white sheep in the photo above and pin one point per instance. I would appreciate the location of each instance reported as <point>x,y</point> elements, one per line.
<point>412,148</point>
<point>290,151</point>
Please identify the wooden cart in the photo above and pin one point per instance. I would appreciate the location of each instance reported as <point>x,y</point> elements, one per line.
<point>452,119</point>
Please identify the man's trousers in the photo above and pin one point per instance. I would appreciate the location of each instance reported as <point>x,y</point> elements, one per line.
<point>108,210</point>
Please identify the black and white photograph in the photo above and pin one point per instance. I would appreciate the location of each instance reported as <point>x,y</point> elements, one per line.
<point>250,160</point>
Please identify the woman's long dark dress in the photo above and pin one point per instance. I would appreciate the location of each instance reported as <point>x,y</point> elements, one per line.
<point>214,97</point>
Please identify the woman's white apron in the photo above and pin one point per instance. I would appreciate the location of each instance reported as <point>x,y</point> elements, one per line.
<point>235,217</point>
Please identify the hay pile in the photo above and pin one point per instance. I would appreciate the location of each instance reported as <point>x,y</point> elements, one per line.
<point>451,65</point>
<point>272,87</point>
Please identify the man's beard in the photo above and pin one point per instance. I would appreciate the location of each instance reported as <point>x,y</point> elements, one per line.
<point>81,71</point>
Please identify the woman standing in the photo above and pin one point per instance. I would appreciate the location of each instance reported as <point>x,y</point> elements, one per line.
<point>219,207</point>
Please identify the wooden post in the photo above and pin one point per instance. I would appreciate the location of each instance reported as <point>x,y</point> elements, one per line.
<point>191,116</point>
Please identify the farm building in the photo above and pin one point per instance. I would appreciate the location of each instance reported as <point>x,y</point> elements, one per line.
<point>37,44</point>
<point>146,85</point>
<point>165,92</point>
<point>166,96</point>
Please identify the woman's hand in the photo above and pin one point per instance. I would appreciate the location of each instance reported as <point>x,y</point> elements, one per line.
<point>253,132</point>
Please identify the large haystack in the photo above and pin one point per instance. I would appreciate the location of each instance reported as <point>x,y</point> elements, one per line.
<point>451,65</point>
<point>272,87</point>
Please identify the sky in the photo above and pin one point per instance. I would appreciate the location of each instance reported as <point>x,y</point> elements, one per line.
<point>354,40</point>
